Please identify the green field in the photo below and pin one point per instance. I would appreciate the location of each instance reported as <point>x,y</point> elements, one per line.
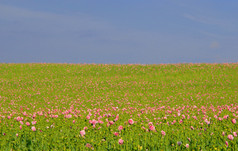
<point>159,107</point>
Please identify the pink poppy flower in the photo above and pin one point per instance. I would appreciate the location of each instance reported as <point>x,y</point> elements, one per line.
<point>94,122</point>
<point>233,121</point>
<point>120,141</point>
<point>230,137</point>
<point>120,128</point>
<point>18,118</point>
<point>235,134</point>
<point>150,123</point>
<point>117,118</point>
<point>27,123</point>
<point>130,121</point>
<point>152,128</point>
<point>111,122</point>
<point>226,116</point>
<point>226,144</point>
<point>68,116</point>
<point>82,133</point>
<point>33,128</point>
<point>163,133</point>
<point>183,116</point>
<point>99,121</point>
<point>116,134</point>
<point>187,145</point>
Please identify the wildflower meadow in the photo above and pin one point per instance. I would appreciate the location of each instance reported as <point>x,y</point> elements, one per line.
<point>119,107</point>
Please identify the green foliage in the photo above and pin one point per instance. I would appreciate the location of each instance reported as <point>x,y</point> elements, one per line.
<point>194,104</point>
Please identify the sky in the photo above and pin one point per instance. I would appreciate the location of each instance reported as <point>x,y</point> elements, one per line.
<point>118,32</point>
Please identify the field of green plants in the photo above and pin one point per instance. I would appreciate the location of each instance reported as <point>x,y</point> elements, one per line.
<point>118,107</point>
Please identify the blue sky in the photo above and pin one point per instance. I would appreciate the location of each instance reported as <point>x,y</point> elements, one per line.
<point>125,31</point>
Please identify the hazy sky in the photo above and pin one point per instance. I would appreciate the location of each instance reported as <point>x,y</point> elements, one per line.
<point>123,31</point>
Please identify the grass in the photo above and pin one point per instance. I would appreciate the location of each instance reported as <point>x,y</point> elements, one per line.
<point>138,92</point>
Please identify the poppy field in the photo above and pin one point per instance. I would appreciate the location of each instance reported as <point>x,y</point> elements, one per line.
<point>119,107</point>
